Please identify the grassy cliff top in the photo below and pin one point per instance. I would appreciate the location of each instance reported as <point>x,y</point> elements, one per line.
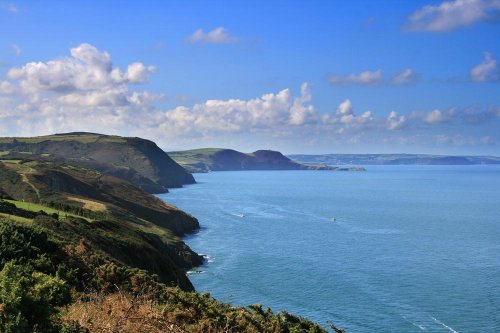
<point>137,160</point>
<point>83,137</point>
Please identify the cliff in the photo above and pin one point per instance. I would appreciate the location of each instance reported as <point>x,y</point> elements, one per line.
<point>110,214</point>
<point>137,160</point>
<point>215,159</point>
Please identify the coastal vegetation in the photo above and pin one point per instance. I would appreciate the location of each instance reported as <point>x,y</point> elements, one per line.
<point>50,284</point>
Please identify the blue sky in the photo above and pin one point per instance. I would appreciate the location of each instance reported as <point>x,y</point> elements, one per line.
<point>296,76</point>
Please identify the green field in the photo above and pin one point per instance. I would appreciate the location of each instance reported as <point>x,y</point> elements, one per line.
<point>16,218</point>
<point>193,156</point>
<point>36,208</point>
<point>11,161</point>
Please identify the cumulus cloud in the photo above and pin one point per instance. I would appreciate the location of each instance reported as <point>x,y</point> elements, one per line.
<point>345,115</point>
<point>235,115</point>
<point>7,88</point>
<point>395,121</point>
<point>450,15</point>
<point>83,90</point>
<point>405,77</point>
<point>486,70</point>
<point>87,73</point>
<point>437,116</point>
<point>218,35</point>
<point>86,92</point>
<point>365,78</point>
<point>301,110</point>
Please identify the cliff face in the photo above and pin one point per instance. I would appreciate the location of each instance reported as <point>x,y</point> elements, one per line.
<point>137,160</point>
<point>122,221</point>
<point>204,160</point>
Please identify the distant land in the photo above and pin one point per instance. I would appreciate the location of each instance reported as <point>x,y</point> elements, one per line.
<point>137,160</point>
<point>393,159</point>
<point>218,159</point>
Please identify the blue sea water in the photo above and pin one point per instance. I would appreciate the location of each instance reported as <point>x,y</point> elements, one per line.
<point>412,248</point>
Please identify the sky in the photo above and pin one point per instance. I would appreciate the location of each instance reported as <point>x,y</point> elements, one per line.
<point>296,76</point>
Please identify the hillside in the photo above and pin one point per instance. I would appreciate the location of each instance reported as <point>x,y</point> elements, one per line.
<point>215,159</point>
<point>394,159</point>
<point>113,215</point>
<point>134,159</point>
<point>82,251</point>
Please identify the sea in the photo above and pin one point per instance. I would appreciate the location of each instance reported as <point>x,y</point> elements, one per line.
<point>392,249</point>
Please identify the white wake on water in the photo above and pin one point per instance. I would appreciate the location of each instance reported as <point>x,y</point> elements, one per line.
<point>443,324</point>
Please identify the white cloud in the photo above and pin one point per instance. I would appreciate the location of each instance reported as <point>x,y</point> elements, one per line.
<point>301,111</point>
<point>234,115</point>
<point>486,70</point>
<point>17,49</point>
<point>436,116</point>
<point>88,73</point>
<point>7,88</point>
<point>365,78</point>
<point>346,116</point>
<point>450,15</point>
<point>218,35</point>
<point>85,92</point>
<point>405,77</point>
<point>395,121</point>
<point>138,73</point>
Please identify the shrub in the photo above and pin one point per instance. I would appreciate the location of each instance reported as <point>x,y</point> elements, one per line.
<point>29,298</point>
<point>23,244</point>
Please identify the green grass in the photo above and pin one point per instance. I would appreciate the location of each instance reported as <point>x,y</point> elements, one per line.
<point>166,235</point>
<point>36,208</point>
<point>193,156</point>
<point>11,161</point>
<point>16,218</point>
<point>4,152</point>
<point>85,138</point>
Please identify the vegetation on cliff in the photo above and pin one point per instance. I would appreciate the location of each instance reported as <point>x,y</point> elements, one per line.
<point>50,285</point>
<point>119,219</point>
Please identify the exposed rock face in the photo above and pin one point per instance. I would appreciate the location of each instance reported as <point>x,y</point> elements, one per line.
<point>137,160</point>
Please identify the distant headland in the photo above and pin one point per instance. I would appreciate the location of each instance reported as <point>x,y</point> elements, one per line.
<point>218,159</point>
